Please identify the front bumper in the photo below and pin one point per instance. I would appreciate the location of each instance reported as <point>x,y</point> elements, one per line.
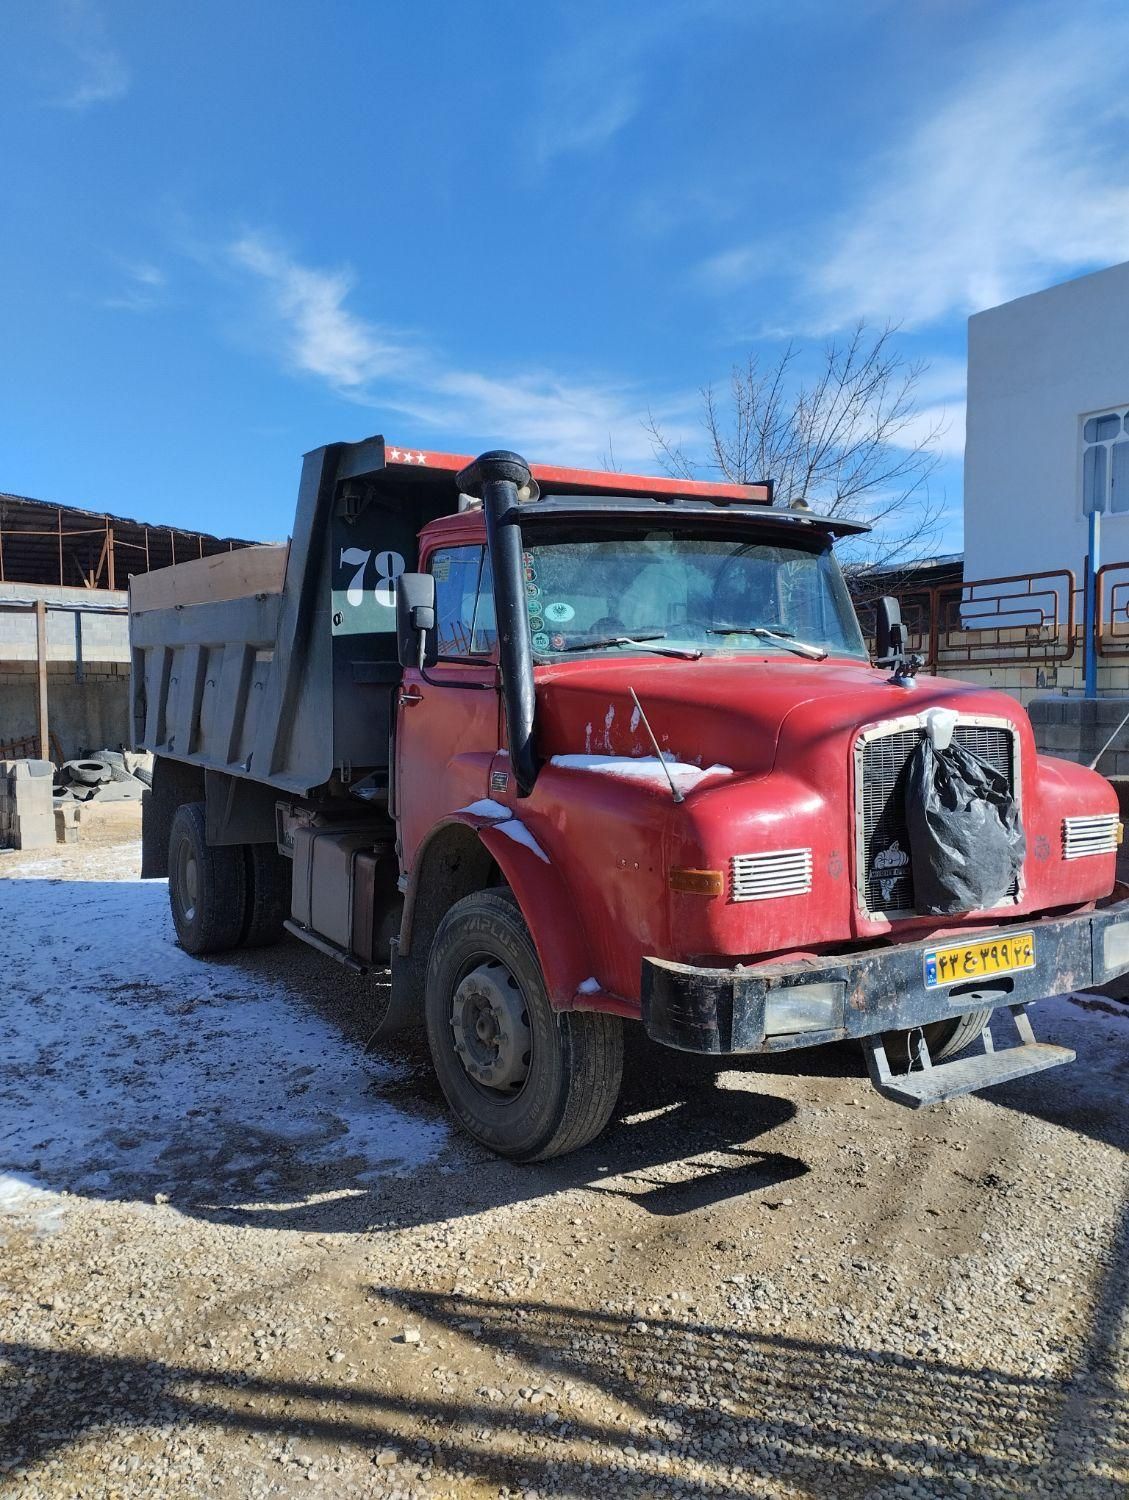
<point>877,989</point>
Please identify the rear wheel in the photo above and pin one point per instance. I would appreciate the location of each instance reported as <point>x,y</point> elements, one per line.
<point>943,1038</point>
<point>525,1080</point>
<point>268,895</point>
<point>207,885</point>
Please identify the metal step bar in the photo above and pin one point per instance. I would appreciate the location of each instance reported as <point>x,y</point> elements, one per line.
<point>934,1083</point>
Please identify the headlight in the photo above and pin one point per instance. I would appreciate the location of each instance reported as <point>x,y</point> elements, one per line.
<point>804,1007</point>
<point>1115,948</point>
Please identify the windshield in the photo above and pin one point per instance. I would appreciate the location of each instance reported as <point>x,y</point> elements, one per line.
<point>686,589</point>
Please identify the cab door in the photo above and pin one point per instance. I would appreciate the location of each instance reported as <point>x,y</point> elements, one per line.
<point>448,719</point>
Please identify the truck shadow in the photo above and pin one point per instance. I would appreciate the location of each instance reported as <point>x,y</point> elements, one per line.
<point>830,1416</point>
<point>249,1088</point>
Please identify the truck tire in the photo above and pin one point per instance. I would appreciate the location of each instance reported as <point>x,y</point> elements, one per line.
<point>87,772</point>
<point>526,1081</point>
<point>207,885</point>
<point>267,880</point>
<point>943,1038</point>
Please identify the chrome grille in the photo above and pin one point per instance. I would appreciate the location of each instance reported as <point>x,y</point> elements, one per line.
<point>886,878</point>
<point>1096,834</point>
<point>775,872</point>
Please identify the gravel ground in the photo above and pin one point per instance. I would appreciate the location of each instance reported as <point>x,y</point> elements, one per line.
<point>241,1253</point>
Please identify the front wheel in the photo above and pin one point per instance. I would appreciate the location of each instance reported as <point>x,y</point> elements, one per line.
<point>525,1080</point>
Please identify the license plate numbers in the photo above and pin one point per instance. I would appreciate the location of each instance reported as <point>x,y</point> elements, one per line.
<point>956,962</point>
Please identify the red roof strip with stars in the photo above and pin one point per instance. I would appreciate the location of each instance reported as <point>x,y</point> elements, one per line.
<point>593,481</point>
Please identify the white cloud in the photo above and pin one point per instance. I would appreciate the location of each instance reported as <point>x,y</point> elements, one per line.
<point>587,116</point>
<point>939,428</point>
<point>143,288</point>
<point>939,420</point>
<point>322,337</point>
<point>1019,176</point>
<point>1015,177</point>
<point>99,73</point>
<point>556,418</point>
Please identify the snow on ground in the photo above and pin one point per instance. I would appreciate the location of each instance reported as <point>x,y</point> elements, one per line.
<point>128,1068</point>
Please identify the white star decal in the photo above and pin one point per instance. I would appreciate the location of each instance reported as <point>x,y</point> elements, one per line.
<point>421,458</point>
<point>394,455</point>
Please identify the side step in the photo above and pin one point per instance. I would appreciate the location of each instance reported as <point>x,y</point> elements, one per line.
<point>930,1083</point>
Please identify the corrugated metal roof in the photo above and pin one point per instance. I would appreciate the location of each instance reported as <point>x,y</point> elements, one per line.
<point>43,541</point>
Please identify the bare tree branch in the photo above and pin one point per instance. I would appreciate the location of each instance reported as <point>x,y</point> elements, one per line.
<point>838,440</point>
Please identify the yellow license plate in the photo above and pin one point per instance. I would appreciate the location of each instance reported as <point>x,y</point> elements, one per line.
<point>957,962</point>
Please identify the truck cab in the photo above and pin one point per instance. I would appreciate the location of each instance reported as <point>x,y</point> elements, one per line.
<point>641,766</point>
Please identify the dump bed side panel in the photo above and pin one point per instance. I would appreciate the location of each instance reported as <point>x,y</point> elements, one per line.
<point>294,686</point>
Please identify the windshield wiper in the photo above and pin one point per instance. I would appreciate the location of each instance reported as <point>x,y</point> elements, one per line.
<point>633,640</point>
<point>785,637</point>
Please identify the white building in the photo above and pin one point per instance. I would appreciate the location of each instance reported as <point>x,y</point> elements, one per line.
<point>1048,428</point>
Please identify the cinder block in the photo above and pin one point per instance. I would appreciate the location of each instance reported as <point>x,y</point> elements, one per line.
<point>36,833</point>
<point>32,797</point>
<point>1059,737</point>
<point>66,824</point>
<point>25,769</point>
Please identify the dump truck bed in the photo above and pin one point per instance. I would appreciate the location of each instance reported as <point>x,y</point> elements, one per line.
<point>279,663</point>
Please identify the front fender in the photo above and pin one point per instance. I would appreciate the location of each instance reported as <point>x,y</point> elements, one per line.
<point>545,903</point>
<point>550,914</point>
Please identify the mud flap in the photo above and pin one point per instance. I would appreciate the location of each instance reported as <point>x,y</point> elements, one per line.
<point>929,1083</point>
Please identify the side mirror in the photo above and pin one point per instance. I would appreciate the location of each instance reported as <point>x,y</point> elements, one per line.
<point>415,616</point>
<point>891,635</point>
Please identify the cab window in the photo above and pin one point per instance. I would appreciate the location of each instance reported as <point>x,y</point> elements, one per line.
<point>464,602</point>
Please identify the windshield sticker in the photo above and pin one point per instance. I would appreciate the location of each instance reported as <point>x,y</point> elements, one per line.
<point>540,641</point>
<point>530,569</point>
<point>559,613</point>
<point>441,569</point>
<point>559,643</point>
<point>532,591</point>
<point>535,621</point>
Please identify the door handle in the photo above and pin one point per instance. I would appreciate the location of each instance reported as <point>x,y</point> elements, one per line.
<point>408,696</point>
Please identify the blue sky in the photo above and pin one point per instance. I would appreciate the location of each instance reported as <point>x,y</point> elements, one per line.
<point>232,232</point>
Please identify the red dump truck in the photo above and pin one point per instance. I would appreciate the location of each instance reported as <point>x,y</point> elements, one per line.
<point>569,749</point>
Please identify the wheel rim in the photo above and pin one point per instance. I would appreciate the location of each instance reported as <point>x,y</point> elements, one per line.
<point>187,880</point>
<point>490,1030</point>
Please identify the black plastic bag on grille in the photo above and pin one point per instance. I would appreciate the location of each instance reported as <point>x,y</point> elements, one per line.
<point>965,835</point>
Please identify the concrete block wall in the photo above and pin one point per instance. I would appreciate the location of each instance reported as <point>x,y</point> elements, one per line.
<point>1077,728</point>
<point>81,632</point>
<point>89,715</point>
<point>1027,682</point>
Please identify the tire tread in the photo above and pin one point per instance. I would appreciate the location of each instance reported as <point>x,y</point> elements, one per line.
<point>591,1045</point>
<point>221,899</point>
<point>268,876</point>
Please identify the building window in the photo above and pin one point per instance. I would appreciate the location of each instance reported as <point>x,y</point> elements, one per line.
<point>1105,463</point>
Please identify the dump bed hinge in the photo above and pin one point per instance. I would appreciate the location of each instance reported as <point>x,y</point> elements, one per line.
<point>934,1083</point>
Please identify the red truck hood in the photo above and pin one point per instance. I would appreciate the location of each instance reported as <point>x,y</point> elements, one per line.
<point>728,711</point>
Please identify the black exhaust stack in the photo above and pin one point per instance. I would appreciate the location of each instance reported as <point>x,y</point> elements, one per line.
<point>501,481</point>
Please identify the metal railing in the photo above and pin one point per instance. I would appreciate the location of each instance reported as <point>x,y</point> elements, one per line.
<point>1112,613</point>
<point>1027,619</point>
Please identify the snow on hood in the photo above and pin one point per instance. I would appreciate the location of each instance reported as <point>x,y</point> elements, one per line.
<point>646,768</point>
<point>726,710</point>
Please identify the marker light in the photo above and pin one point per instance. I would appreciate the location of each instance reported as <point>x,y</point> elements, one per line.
<point>697,882</point>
